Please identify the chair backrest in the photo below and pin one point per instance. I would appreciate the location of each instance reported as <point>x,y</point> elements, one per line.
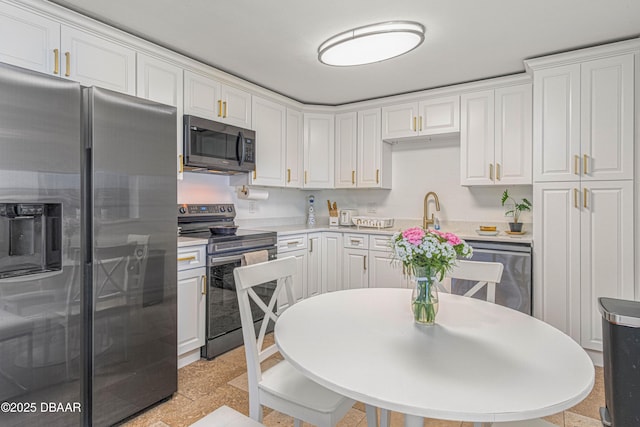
<point>247,277</point>
<point>485,273</point>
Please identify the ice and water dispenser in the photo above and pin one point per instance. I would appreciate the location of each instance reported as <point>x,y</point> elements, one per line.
<point>30,238</point>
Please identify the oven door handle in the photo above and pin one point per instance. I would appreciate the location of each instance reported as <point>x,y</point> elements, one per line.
<point>214,260</point>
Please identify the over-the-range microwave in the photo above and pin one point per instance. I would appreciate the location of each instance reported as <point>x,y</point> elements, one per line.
<point>217,147</point>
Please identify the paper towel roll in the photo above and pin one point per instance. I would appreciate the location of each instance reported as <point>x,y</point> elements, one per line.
<point>253,194</point>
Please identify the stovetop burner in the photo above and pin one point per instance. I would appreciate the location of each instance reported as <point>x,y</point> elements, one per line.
<point>197,221</point>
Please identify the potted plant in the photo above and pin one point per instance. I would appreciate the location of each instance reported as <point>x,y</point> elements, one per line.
<point>514,210</point>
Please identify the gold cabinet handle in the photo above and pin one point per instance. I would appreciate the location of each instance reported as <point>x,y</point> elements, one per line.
<point>364,264</point>
<point>414,123</point>
<point>576,165</point>
<point>181,167</point>
<point>377,176</point>
<point>226,110</point>
<point>219,107</point>
<point>310,245</point>
<point>56,61</point>
<point>498,171</point>
<point>255,174</point>
<point>187,258</point>
<point>288,175</point>
<point>491,171</point>
<point>584,196</point>
<point>584,164</point>
<point>305,177</point>
<point>353,177</point>
<point>67,56</point>
<point>204,285</point>
<point>576,194</point>
<point>421,123</point>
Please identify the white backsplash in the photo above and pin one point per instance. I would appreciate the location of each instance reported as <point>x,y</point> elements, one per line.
<point>418,167</point>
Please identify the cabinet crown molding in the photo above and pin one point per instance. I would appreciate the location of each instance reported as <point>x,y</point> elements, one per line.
<point>582,55</point>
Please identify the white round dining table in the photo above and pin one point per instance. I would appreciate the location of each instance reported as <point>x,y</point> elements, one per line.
<point>480,362</point>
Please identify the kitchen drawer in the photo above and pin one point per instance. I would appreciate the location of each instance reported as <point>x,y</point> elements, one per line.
<point>192,257</point>
<point>292,243</point>
<point>356,241</point>
<point>380,242</point>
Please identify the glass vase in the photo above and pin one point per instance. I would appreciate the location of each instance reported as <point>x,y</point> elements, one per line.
<point>424,299</point>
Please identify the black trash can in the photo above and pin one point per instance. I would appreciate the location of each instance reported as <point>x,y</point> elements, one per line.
<point>621,352</point>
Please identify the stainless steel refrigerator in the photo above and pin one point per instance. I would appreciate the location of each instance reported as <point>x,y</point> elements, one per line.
<point>87,252</point>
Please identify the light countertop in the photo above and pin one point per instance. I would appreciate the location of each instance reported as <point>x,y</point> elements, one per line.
<point>190,241</point>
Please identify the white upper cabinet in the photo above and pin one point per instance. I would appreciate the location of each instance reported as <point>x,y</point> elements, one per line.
<point>210,99</point>
<point>96,61</point>
<point>607,118</point>
<point>269,122</point>
<point>374,156</point>
<point>28,40</point>
<point>319,137</point>
<point>428,117</point>
<point>584,120</point>
<point>37,43</point>
<point>495,136</point>
<point>294,152</point>
<point>346,161</point>
<point>161,81</point>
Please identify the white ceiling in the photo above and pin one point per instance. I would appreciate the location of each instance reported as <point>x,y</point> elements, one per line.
<point>274,43</point>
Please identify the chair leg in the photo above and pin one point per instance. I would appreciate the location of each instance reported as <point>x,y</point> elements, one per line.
<point>297,423</point>
<point>372,416</point>
<point>255,410</point>
<point>384,417</point>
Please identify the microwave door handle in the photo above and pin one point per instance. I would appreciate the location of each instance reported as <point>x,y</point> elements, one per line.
<point>240,142</point>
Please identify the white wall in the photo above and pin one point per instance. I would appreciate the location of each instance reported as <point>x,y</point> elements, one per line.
<point>418,167</point>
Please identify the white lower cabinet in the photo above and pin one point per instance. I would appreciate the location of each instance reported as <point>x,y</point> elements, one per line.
<point>385,272</point>
<point>355,269</point>
<point>331,261</point>
<point>584,250</point>
<point>192,290</point>
<point>314,264</point>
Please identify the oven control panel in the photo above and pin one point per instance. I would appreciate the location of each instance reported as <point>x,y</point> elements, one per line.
<point>218,210</point>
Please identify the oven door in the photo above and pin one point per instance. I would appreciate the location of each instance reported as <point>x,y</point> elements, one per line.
<point>223,314</point>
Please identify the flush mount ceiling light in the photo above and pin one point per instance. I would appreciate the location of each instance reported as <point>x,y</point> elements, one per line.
<point>371,43</point>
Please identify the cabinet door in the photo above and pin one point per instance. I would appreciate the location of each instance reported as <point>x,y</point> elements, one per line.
<point>161,81</point>
<point>556,288</point>
<point>28,40</point>
<point>294,150</point>
<point>201,96</point>
<point>269,122</point>
<point>439,115</point>
<point>607,118</point>
<point>319,140</point>
<point>95,61</point>
<point>369,168</point>
<point>556,124</point>
<point>607,258</point>
<point>513,134</point>
<point>477,138</point>
<point>347,139</point>
<point>384,271</point>
<point>331,262</point>
<point>399,121</point>
<point>355,268</point>
<point>191,309</point>
<point>236,106</point>
<point>314,264</point>
<point>299,280</point>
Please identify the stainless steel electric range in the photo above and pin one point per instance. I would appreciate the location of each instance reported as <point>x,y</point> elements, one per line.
<point>226,247</point>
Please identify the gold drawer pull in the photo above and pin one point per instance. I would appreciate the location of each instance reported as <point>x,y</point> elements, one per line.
<point>576,164</point>
<point>353,177</point>
<point>288,175</point>
<point>498,171</point>
<point>421,123</point>
<point>219,107</point>
<point>377,176</point>
<point>584,165</point>
<point>414,123</point>
<point>187,258</point>
<point>491,171</point>
<point>584,194</point>
<point>226,110</point>
<point>68,63</point>
<point>204,285</point>
<point>576,194</point>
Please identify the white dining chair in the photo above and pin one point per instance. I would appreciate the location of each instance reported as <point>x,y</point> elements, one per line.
<point>484,273</point>
<point>281,387</point>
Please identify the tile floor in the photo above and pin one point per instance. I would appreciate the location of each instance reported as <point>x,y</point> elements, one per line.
<point>204,386</point>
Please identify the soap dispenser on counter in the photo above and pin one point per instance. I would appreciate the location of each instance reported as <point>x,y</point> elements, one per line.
<point>311,216</point>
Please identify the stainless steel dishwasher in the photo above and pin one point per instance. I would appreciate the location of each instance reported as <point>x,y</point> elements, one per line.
<point>514,290</point>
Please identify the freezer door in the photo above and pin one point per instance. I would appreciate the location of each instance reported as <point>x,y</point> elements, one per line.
<point>40,309</point>
<point>131,160</point>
